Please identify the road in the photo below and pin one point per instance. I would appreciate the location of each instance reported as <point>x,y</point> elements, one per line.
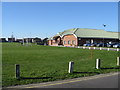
<point>109,80</point>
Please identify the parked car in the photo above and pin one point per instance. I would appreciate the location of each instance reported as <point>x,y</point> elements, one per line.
<point>111,45</point>
<point>87,44</point>
<point>102,45</point>
<point>93,44</point>
<point>117,45</point>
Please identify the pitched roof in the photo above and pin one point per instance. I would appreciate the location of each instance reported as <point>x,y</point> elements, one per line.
<point>90,33</point>
<point>95,33</point>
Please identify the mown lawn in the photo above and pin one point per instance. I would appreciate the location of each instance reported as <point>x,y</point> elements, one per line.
<point>46,63</point>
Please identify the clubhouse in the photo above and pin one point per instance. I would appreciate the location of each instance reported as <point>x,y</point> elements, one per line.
<point>79,36</point>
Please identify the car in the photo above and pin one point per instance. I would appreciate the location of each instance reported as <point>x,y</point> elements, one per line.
<point>94,44</point>
<point>102,45</point>
<point>111,45</point>
<point>117,45</point>
<point>87,44</point>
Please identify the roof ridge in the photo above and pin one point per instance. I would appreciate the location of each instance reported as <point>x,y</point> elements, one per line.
<point>75,30</point>
<point>92,29</point>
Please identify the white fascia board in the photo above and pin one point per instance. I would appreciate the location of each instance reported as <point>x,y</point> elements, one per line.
<point>68,34</point>
<point>62,36</point>
<point>75,35</point>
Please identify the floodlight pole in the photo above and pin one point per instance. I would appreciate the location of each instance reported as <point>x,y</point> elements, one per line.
<point>103,37</point>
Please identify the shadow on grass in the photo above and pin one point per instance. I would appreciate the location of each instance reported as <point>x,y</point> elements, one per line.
<point>86,72</point>
<point>111,68</point>
<point>35,77</point>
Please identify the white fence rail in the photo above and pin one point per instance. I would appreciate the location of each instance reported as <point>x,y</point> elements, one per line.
<point>95,48</point>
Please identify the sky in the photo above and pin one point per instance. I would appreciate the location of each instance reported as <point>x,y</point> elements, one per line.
<point>45,19</point>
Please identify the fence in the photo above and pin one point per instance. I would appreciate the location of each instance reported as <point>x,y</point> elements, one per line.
<point>95,48</point>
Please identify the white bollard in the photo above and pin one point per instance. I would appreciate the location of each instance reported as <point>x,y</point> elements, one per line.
<point>97,63</point>
<point>71,65</point>
<point>89,47</point>
<point>94,47</point>
<point>83,47</point>
<point>108,49</point>
<point>117,49</point>
<point>17,71</point>
<point>118,61</point>
<point>100,48</point>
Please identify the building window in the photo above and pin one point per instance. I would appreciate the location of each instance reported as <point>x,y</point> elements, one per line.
<point>68,42</point>
<point>64,42</point>
<point>73,42</point>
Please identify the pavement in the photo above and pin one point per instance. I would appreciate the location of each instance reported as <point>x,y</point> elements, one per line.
<point>109,80</point>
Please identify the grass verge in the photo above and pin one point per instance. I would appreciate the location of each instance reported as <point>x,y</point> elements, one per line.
<point>46,63</point>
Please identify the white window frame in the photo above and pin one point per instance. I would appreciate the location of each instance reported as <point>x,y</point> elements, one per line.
<point>64,42</point>
<point>73,42</point>
<point>69,42</point>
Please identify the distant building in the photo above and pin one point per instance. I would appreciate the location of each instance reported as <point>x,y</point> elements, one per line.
<point>80,36</point>
<point>11,39</point>
<point>19,40</point>
<point>29,40</point>
<point>3,40</point>
<point>37,40</point>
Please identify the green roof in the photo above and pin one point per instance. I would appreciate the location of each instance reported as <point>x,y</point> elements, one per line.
<point>90,33</point>
<point>95,33</point>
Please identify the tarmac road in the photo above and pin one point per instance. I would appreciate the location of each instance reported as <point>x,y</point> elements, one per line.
<point>103,82</point>
<point>109,80</point>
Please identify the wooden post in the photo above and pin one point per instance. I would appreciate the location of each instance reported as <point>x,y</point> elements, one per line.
<point>71,65</point>
<point>118,61</point>
<point>17,71</point>
<point>97,63</point>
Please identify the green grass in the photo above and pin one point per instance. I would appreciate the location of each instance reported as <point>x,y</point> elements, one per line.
<point>51,62</point>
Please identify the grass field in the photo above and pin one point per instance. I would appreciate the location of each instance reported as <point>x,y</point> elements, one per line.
<point>46,63</point>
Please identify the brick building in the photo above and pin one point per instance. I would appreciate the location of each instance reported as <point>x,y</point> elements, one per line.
<point>80,36</point>
<point>11,39</point>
